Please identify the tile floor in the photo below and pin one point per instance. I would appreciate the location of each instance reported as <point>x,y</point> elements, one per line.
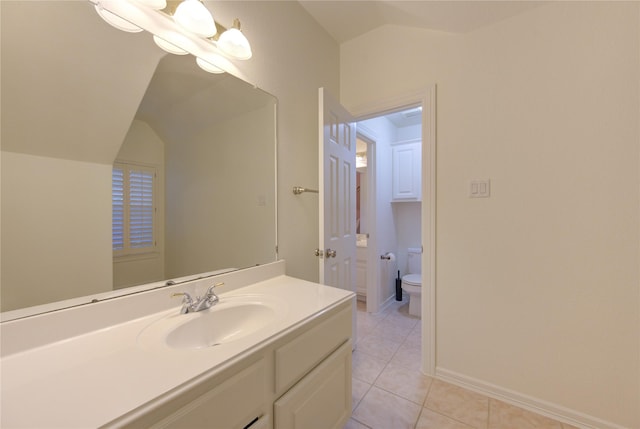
<point>390,392</point>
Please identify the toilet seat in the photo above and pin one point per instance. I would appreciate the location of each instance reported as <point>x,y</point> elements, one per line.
<point>412,280</point>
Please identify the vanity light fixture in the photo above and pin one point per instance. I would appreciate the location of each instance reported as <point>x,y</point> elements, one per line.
<point>207,66</point>
<point>154,4</point>
<point>234,43</point>
<point>115,21</point>
<point>179,27</point>
<point>169,47</point>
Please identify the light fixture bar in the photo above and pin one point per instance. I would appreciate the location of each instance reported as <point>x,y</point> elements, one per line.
<point>147,15</point>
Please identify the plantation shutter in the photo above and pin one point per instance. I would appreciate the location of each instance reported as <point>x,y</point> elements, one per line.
<point>140,209</point>
<point>117,204</point>
<point>133,208</point>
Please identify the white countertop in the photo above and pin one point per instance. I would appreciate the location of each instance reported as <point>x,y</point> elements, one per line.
<point>91,379</point>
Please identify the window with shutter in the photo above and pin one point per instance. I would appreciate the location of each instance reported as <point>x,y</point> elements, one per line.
<point>133,208</point>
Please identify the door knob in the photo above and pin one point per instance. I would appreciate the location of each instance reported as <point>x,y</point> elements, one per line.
<point>330,253</point>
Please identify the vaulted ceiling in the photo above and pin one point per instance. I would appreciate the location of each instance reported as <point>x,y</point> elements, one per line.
<point>345,20</point>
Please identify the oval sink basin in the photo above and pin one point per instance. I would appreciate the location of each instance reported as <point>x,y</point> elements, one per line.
<point>220,325</point>
<point>231,319</point>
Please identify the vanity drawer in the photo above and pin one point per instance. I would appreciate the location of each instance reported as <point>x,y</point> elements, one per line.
<point>302,354</point>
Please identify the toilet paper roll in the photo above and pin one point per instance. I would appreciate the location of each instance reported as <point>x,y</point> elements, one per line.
<point>389,256</point>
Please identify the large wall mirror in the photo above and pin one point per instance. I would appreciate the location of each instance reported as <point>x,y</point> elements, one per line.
<point>122,165</point>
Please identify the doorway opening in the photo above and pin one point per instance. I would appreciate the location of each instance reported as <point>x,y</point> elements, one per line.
<point>406,212</point>
<point>388,207</point>
<point>380,242</point>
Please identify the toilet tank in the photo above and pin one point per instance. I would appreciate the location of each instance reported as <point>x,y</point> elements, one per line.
<point>414,260</point>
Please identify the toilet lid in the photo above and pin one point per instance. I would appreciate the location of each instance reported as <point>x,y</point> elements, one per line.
<point>413,279</point>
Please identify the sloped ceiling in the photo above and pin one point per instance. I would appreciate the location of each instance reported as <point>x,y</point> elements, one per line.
<point>69,89</point>
<point>182,100</point>
<point>345,20</point>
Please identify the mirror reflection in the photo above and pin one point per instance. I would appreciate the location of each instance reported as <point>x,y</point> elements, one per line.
<point>123,165</point>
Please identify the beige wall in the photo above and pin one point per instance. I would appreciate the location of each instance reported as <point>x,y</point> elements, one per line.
<point>292,58</point>
<point>537,286</point>
<point>231,164</point>
<point>40,191</point>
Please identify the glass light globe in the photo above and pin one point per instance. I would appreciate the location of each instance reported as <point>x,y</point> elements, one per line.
<point>195,17</point>
<point>235,44</point>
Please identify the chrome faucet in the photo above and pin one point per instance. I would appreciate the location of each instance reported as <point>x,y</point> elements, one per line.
<point>208,300</point>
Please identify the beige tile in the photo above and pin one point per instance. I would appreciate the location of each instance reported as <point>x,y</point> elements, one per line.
<point>506,416</point>
<point>406,322</point>
<point>366,367</point>
<point>358,390</point>
<point>568,426</point>
<point>432,420</point>
<point>353,424</point>
<point>392,331</point>
<point>405,383</point>
<point>379,347</point>
<point>414,337</point>
<point>383,410</point>
<point>364,326</point>
<point>373,317</point>
<point>418,328</point>
<point>458,403</point>
<point>409,356</point>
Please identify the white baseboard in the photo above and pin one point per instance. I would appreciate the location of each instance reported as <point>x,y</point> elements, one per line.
<point>387,302</point>
<point>529,403</point>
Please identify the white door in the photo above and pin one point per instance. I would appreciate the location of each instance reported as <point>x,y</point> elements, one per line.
<point>337,170</point>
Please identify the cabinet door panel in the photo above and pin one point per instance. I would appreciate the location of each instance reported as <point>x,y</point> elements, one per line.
<point>406,184</point>
<point>322,399</point>
<point>296,358</point>
<point>233,404</point>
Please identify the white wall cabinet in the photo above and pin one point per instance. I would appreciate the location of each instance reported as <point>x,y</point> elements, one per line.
<point>407,171</point>
<point>300,380</point>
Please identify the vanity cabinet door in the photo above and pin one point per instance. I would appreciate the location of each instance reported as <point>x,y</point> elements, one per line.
<point>320,400</point>
<point>238,402</point>
<point>307,350</point>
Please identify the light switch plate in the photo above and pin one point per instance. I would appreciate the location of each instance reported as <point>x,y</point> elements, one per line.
<point>479,188</point>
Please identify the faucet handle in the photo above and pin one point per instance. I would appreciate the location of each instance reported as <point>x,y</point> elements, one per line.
<point>211,296</point>
<point>212,287</point>
<point>187,297</point>
<point>187,301</point>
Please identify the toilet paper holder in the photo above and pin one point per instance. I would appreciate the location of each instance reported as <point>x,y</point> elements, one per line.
<point>388,256</point>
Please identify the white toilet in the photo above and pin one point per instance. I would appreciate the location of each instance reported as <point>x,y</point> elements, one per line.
<point>412,281</point>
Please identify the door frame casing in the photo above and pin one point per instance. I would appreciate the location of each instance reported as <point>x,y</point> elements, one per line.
<point>427,98</point>
<point>373,278</point>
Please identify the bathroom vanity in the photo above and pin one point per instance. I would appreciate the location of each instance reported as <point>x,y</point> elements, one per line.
<point>274,352</point>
